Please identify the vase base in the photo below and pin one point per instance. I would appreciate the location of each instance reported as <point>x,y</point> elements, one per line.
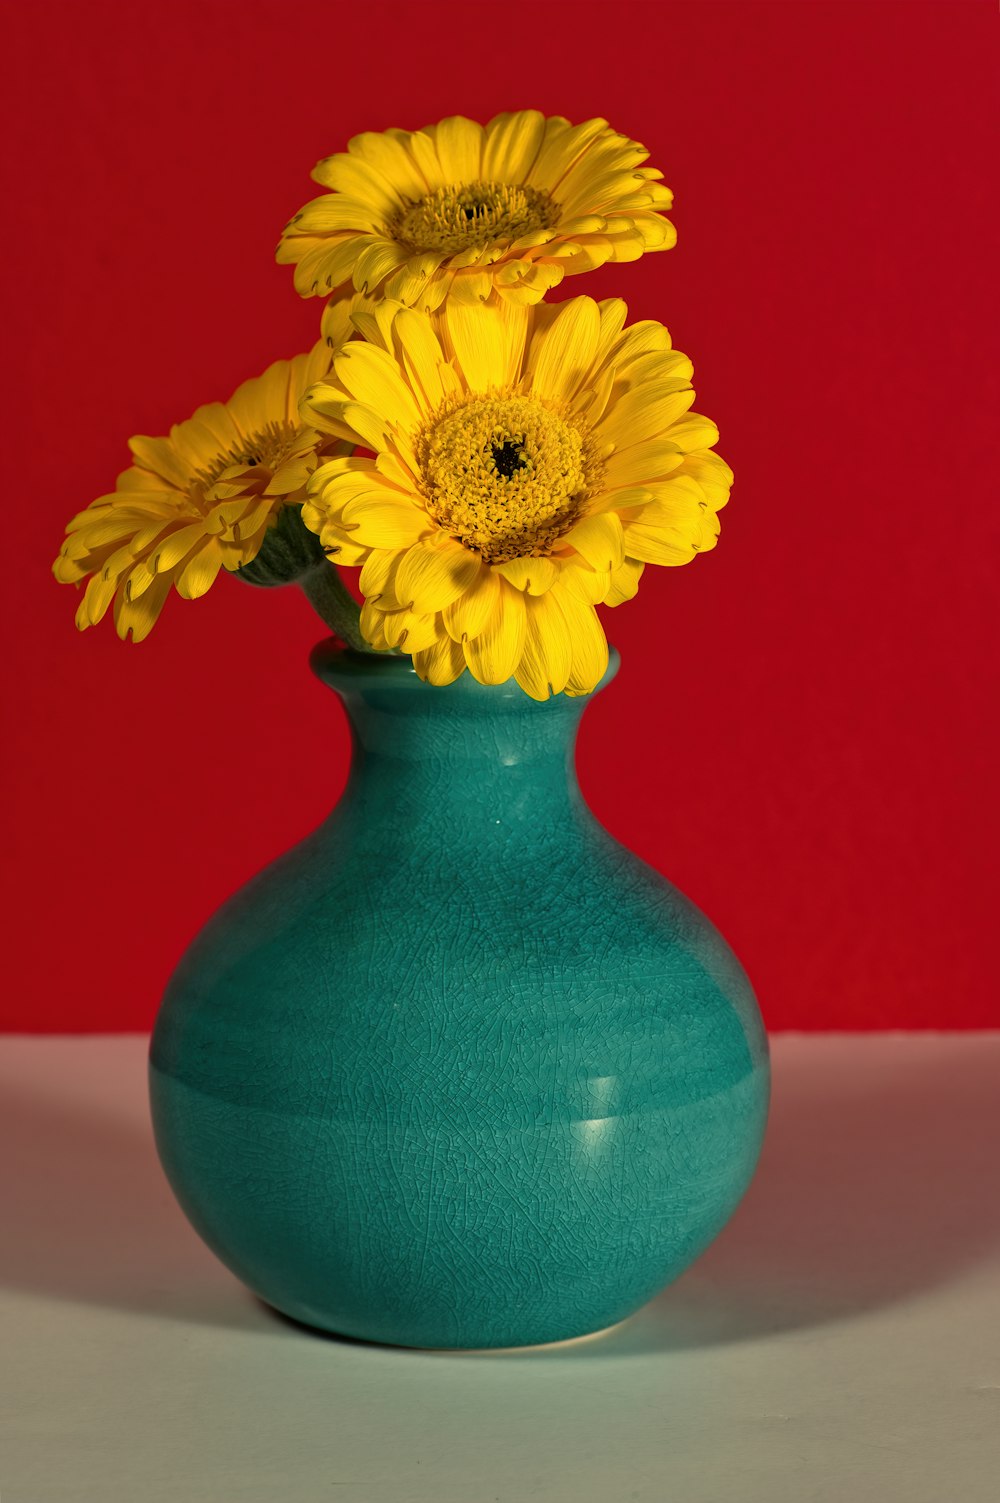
<point>528,1346</point>
<point>447,1351</point>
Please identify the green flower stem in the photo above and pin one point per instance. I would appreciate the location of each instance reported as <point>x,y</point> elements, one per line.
<point>291,554</point>
<point>330,598</point>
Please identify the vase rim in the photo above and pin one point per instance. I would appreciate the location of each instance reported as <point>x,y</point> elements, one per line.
<point>345,669</point>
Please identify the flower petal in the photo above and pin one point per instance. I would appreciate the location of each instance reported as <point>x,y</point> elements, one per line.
<point>136,618</point>
<point>598,539</point>
<point>624,582</point>
<point>199,573</point>
<point>535,575</point>
<point>160,457</point>
<point>379,259</point>
<point>414,283</point>
<point>376,522</point>
<point>488,343</point>
<point>175,546</point>
<point>441,664</point>
<point>642,463</point>
<point>675,525</point>
<point>590,646</point>
<point>459,145</point>
<point>422,357</point>
<point>388,155</point>
<point>694,432</point>
<point>376,578</point>
<point>547,657</point>
<point>564,353</point>
<point>712,475</point>
<point>435,572</point>
<point>642,413</point>
<point>584,583</point>
<point>373,378</point>
<point>470,614</point>
<point>495,652</point>
<point>356,176</point>
<point>512,143</point>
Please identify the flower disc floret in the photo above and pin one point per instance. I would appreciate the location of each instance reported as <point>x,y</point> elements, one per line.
<point>505,476</point>
<point>459,218</point>
<point>264,449</point>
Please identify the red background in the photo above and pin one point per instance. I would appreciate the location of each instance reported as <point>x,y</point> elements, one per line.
<point>799,735</point>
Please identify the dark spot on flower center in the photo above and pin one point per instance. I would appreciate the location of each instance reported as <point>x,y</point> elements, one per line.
<point>508,456</point>
<point>460,215</point>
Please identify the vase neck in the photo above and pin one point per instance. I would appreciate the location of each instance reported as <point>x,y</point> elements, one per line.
<point>421,751</point>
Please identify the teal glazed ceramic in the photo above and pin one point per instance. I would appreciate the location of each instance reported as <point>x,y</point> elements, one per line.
<point>458,1070</point>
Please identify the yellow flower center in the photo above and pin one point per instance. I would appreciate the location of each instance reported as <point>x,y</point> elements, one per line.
<point>506,476</point>
<point>455,219</point>
<point>266,450</point>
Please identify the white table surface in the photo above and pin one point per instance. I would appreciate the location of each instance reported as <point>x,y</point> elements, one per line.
<point>839,1343</point>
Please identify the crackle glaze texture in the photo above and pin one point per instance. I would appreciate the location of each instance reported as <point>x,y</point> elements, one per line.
<point>458,1070</point>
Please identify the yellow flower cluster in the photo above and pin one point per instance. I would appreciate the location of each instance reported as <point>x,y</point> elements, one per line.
<point>496,465</point>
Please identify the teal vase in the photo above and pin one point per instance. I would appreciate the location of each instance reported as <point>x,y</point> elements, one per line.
<point>458,1070</point>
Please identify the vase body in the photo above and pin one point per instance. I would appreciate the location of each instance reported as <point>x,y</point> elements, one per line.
<point>458,1070</point>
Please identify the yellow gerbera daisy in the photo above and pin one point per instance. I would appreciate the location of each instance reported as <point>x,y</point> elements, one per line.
<point>197,501</point>
<point>528,462</point>
<point>463,210</point>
